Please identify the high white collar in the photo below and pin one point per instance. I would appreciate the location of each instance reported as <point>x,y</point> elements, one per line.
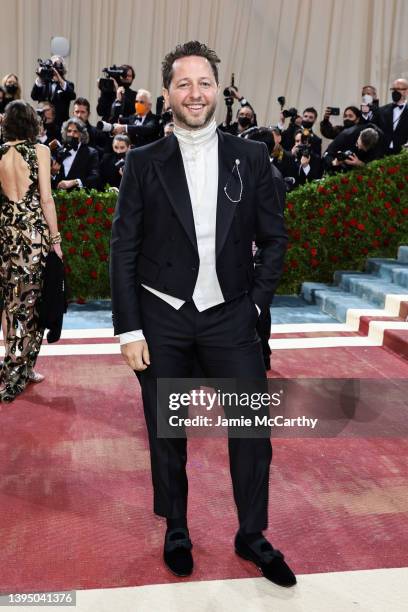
<point>196,137</point>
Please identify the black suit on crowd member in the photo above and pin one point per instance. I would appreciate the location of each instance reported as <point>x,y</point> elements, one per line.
<point>109,108</point>
<point>346,141</point>
<point>84,167</point>
<point>109,172</point>
<point>98,140</point>
<point>288,139</point>
<point>154,242</point>
<point>399,136</point>
<point>61,98</point>
<point>146,132</point>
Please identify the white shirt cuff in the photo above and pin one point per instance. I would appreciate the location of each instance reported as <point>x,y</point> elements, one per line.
<point>132,336</point>
<point>80,185</point>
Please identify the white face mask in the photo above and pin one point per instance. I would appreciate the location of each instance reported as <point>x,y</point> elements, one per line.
<point>367,99</point>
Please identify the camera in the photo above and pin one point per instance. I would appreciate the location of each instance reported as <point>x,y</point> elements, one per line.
<point>60,152</point>
<point>112,72</point>
<point>104,126</point>
<point>45,70</point>
<point>228,92</point>
<point>334,110</point>
<point>291,112</point>
<point>120,163</point>
<point>341,156</point>
<point>303,150</point>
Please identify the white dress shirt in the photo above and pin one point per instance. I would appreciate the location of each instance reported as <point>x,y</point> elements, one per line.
<point>396,115</point>
<point>69,160</point>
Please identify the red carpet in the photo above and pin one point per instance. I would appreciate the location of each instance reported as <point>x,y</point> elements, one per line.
<point>75,492</point>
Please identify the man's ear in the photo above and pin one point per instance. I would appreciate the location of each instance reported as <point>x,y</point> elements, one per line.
<point>165,94</point>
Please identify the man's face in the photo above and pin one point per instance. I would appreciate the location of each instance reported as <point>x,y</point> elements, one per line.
<point>308,116</point>
<point>193,92</point>
<point>73,131</point>
<point>360,145</point>
<point>369,91</point>
<point>119,146</point>
<point>48,114</point>
<point>246,112</point>
<point>401,85</point>
<point>81,112</point>
<point>143,104</point>
<point>128,79</point>
<point>298,139</point>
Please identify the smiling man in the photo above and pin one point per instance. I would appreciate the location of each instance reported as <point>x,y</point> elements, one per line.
<point>184,288</point>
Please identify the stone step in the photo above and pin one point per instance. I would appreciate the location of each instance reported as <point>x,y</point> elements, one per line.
<point>385,268</point>
<point>336,302</point>
<point>370,288</point>
<point>403,254</point>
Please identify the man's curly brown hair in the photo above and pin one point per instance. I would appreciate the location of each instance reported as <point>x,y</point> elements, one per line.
<point>193,47</point>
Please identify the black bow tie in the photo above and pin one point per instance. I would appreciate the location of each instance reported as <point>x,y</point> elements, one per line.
<point>398,105</point>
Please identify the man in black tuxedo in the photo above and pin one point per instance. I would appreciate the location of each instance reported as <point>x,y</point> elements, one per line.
<point>309,118</point>
<point>393,118</point>
<point>98,139</point>
<point>362,143</point>
<point>76,166</point>
<point>184,287</point>
<point>142,126</point>
<point>59,91</point>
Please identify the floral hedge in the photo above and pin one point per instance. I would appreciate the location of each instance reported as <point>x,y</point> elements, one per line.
<point>334,223</point>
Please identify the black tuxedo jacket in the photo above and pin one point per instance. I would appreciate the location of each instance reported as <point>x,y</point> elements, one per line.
<point>141,135</point>
<point>399,136</point>
<point>60,99</point>
<point>153,234</point>
<point>84,167</point>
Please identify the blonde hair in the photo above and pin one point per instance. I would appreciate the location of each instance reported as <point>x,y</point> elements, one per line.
<point>17,95</point>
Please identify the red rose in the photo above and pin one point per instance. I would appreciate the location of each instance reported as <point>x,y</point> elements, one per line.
<point>294,263</point>
<point>392,213</point>
<point>89,201</point>
<point>81,212</point>
<point>110,210</point>
<point>400,185</point>
<point>314,262</point>
<point>296,234</point>
<point>375,210</point>
<point>370,183</point>
<point>99,206</point>
<point>68,236</point>
<point>353,222</point>
<point>86,254</point>
<point>361,227</point>
<point>67,269</point>
<point>335,187</point>
<point>388,205</point>
<point>289,206</point>
<point>405,211</point>
<point>334,258</point>
<point>360,179</point>
<point>103,257</point>
<point>397,200</point>
<point>392,230</point>
<point>93,274</point>
<point>382,194</point>
<point>344,180</point>
<point>364,251</point>
<point>91,220</point>
<point>72,250</point>
<point>108,224</point>
<point>81,227</point>
<point>377,232</point>
<point>392,170</point>
<point>305,245</point>
<point>323,231</point>
<point>98,234</point>
<point>321,189</point>
<point>370,197</point>
<point>347,196</point>
<point>85,237</point>
<point>354,189</point>
<point>321,211</point>
<point>313,252</point>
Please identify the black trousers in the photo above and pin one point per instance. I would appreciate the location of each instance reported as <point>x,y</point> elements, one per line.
<point>224,341</point>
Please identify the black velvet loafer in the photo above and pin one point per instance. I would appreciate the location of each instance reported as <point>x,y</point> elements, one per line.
<point>177,551</point>
<point>268,559</point>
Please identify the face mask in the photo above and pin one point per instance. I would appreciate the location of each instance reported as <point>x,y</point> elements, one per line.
<point>121,155</point>
<point>141,108</point>
<point>307,124</point>
<point>244,121</point>
<point>367,99</point>
<point>396,96</point>
<point>348,123</point>
<point>73,142</point>
<point>11,89</point>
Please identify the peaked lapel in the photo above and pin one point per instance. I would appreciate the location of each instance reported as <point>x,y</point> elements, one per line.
<point>226,178</point>
<point>170,170</point>
<point>79,159</point>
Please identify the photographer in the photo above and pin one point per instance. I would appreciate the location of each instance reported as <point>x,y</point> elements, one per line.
<point>351,117</point>
<point>74,165</point>
<point>143,126</point>
<point>97,139</point>
<point>51,86</point>
<point>11,88</point>
<point>369,104</point>
<point>355,146</point>
<point>117,98</point>
<point>112,163</point>
<point>50,130</point>
<point>308,120</point>
<point>308,164</point>
<point>282,160</point>
<point>245,117</point>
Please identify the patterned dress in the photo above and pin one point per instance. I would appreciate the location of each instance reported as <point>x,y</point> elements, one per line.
<point>24,245</point>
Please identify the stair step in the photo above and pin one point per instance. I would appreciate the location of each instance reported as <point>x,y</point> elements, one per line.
<point>385,268</point>
<point>403,254</point>
<point>335,302</point>
<point>308,290</point>
<point>397,342</point>
<point>370,288</point>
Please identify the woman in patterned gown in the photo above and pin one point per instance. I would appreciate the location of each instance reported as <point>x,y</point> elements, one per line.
<point>28,230</point>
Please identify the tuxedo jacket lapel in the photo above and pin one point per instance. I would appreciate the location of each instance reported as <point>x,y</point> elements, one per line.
<point>229,180</point>
<point>79,158</point>
<point>170,170</point>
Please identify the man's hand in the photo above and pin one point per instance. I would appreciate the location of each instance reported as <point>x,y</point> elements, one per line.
<point>353,161</point>
<point>118,128</point>
<point>67,184</point>
<point>136,355</point>
<point>326,115</point>
<point>305,160</point>
<point>120,92</point>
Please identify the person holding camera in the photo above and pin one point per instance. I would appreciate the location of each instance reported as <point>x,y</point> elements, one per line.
<point>351,116</point>
<point>49,130</point>
<point>98,139</point>
<point>281,159</point>
<point>75,165</point>
<point>245,117</point>
<point>308,165</point>
<point>11,88</point>
<point>111,167</point>
<point>51,86</point>
<point>117,97</point>
<point>393,118</point>
<point>142,126</point>
<point>354,147</point>
<point>309,117</point>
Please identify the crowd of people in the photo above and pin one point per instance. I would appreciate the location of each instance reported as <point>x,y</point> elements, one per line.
<point>84,155</point>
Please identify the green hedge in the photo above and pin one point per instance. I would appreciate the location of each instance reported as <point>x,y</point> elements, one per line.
<point>334,223</point>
